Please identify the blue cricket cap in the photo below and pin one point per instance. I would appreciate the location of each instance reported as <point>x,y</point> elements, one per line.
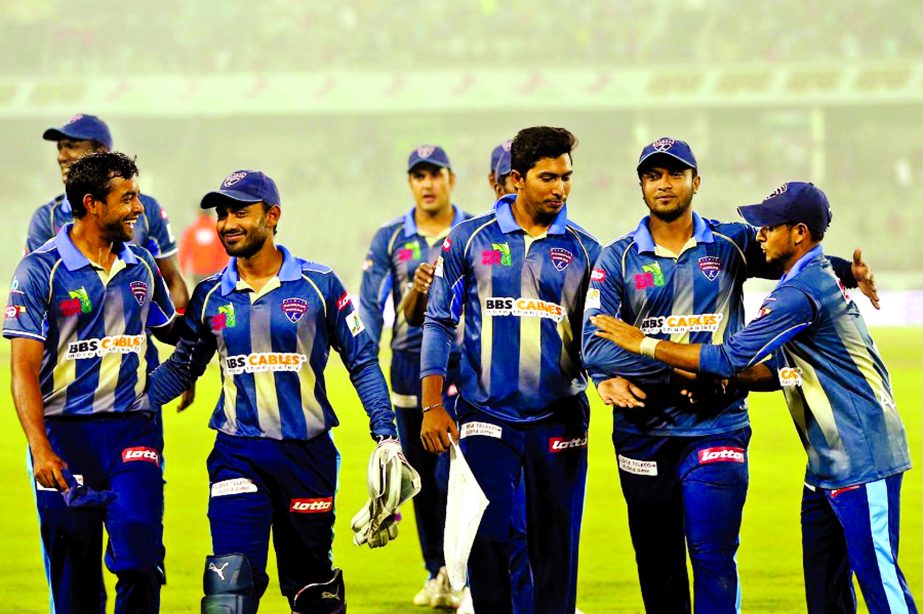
<point>244,187</point>
<point>666,146</point>
<point>81,127</point>
<point>428,154</point>
<point>795,202</point>
<point>498,152</point>
<point>504,165</point>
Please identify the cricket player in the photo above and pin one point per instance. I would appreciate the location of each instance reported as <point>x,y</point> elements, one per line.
<point>498,185</point>
<point>273,319</point>
<point>839,394</point>
<point>680,276</point>
<point>400,264</point>
<point>518,275</point>
<point>76,317</point>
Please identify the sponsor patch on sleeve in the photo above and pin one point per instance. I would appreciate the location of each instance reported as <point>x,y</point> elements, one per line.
<point>439,266</point>
<point>598,275</point>
<point>637,467</point>
<point>483,429</point>
<point>235,486</point>
<point>355,323</point>
<point>593,300</point>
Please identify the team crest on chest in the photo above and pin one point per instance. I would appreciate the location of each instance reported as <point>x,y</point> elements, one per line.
<point>294,308</point>
<point>139,291</point>
<point>710,267</point>
<point>560,258</point>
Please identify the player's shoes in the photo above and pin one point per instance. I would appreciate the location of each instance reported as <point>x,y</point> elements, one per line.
<point>427,593</point>
<point>467,604</point>
<point>445,598</point>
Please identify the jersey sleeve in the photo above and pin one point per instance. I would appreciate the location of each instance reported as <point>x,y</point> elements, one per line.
<point>161,242</point>
<point>194,350</point>
<point>444,307</point>
<point>162,310</point>
<point>602,358</point>
<point>376,285</point>
<point>40,229</point>
<point>785,313</point>
<point>349,337</point>
<point>27,307</point>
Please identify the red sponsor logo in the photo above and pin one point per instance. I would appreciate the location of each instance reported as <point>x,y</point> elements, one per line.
<point>723,454</point>
<point>70,307</point>
<point>560,444</point>
<point>447,244</point>
<point>839,491</point>
<point>644,281</point>
<point>219,322</point>
<point>343,301</point>
<point>148,455</point>
<point>311,506</point>
<point>404,254</point>
<point>13,311</point>
<point>491,257</point>
<point>599,275</point>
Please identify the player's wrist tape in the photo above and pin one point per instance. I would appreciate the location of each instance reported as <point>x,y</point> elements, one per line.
<point>648,345</point>
<point>433,406</point>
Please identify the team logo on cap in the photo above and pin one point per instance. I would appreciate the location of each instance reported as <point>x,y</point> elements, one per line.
<point>425,151</point>
<point>779,191</point>
<point>233,178</point>
<point>710,267</point>
<point>139,291</point>
<point>73,119</point>
<point>663,144</point>
<point>560,258</point>
<point>294,308</point>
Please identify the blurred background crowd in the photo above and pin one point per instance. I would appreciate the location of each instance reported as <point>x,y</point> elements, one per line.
<point>341,175</point>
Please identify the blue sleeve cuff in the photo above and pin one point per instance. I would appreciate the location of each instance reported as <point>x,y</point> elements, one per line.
<point>712,360</point>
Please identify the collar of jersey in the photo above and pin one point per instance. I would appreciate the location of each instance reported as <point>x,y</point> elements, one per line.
<point>289,271</point>
<point>72,257</point>
<point>814,253</point>
<point>508,223</point>
<point>410,225</point>
<point>645,242</point>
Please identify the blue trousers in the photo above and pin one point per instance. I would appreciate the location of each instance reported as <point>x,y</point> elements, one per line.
<point>260,484</point>
<point>685,491</point>
<point>548,460</point>
<point>121,453</point>
<point>853,530</point>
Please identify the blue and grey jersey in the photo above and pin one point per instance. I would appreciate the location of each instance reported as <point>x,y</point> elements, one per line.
<point>152,231</point>
<point>91,322</point>
<point>397,250</point>
<point>522,300</point>
<point>695,296</point>
<point>833,378</point>
<point>273,345</point>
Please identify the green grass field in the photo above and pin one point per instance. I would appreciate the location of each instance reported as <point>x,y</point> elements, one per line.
<point>384,580</point>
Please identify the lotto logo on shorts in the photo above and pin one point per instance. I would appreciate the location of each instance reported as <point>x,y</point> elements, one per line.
<point>724,454</point>
<point>148,455</point>
<point>311,506</point>
<point>560,444</point>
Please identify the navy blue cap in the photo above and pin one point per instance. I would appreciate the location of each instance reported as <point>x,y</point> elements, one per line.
<point>504,165</point>
<point>497,153</point>
<point>428,154</point>
<point>665,146</point>
<point>81,127</point>
<point>795,202</point>
<point>244,187</point>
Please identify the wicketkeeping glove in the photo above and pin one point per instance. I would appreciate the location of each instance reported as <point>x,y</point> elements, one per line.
<point>391,483</point>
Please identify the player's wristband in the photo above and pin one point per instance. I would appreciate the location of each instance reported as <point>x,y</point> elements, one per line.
<point>433,406</point>
<point>648,346</point>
